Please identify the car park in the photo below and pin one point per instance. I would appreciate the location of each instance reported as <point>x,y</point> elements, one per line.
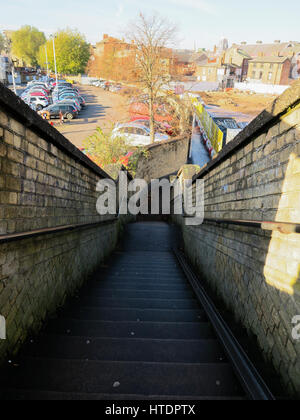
<point>44,96</point>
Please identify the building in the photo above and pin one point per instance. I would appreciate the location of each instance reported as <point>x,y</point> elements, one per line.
<point>116,59</point>
<point>290,50</point>
<point>210,70</point>
<point>270,70</point>
<point>184,62</point>
<point>237,62</point>
<point>112,59</point>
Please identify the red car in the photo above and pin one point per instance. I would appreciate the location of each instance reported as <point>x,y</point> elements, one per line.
<point>140,110</point>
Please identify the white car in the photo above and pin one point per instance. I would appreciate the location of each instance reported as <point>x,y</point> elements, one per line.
<point>138,135</point>
<point>39,102</point>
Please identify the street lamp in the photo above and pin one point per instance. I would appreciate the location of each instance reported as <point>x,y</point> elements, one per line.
<point>54,54</point>
<point>13,75</point>
<point>47,61</point>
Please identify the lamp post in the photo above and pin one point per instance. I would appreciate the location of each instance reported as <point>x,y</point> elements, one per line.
<point>54,55</point>
<point>13,76</point>
<point>47,61</point>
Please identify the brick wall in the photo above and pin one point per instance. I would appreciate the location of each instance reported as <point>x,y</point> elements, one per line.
<point>45,182</point>
<point>256,272</point>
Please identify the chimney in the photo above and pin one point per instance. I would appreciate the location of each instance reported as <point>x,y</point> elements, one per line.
<point>259,42</point>
<point>244,43</point>
<point>277,41</point>
<point>105,36</point>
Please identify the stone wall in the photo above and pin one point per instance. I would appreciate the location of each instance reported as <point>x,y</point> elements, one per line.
<point>256,270</point>
<point>45,183</point>
<point>163,158</point>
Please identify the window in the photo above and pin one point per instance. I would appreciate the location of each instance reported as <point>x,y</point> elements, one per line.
<point>270,75</point>
<point>253,75</point>
<point>271,66</point>
<point>140,132</point>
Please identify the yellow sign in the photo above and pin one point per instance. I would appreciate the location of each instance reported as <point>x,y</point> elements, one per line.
<point>212,131</point>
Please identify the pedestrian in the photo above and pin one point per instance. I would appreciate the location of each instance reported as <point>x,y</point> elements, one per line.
<point>61,117</point>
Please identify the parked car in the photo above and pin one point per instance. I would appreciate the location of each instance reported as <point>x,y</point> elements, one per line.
<point>39,101</point>
<point>70,102</point>
<point>68,111</point>
<point>73,96</point>
<point>140,110</point>
<point>159,126</point>
<point>138,135</point>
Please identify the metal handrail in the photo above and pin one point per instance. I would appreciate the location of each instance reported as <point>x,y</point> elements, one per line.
<point>282,227</point>
<point>46,231</point>
<point>250,379</point>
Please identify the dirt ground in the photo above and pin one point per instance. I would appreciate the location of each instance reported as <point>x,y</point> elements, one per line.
<point>103,109</point>
<point>246,103</point>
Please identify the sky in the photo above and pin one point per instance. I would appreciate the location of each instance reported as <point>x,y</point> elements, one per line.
<point>201,23</point>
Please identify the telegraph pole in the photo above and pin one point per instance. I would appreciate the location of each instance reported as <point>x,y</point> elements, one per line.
<point>54,54</point>
<point>47,60</point>
<point>13,76</point>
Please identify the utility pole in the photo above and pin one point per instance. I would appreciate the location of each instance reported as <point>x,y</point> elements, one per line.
<point>13,76</point>
<point>54,54</point>
<point>47,60</point>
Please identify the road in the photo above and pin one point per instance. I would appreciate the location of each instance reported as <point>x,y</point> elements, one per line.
<point>103,109</point>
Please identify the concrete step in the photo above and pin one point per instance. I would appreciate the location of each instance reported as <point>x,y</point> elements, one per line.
<point>117,285</point>
<point>30,395</point>
<point>137,294</point>
<point>78,376</point>
<point>124,329</point>
<point>138,303</point>
<point>125,349</point>
<point>134,314</point>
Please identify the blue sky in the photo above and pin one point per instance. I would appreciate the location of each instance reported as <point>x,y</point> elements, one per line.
<point>202,22</point>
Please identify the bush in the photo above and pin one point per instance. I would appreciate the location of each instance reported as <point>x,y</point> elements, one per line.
<point>105,149</point>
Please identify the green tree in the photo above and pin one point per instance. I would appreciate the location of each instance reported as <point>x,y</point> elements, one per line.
<point>26,43</point>
<point>72,52</point>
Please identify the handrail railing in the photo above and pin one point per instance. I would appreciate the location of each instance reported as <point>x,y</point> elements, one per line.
<point>46,231</point>
<point>282,227</point>
<point>250,379</point>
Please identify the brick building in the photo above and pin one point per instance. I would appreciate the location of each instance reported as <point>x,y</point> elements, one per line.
<point>115,59</point>
<point>270,70</point>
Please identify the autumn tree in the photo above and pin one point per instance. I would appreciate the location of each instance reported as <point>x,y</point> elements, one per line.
<point>26,43</point>
<point>72,52</point>
<point>151,37</point>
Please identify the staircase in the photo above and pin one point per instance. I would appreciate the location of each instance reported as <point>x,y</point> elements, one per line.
<point>136,331</point>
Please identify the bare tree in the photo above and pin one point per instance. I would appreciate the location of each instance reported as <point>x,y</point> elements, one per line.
<point>152,36</point>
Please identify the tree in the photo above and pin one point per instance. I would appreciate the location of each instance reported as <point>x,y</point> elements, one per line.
<point>152,36</point>
<point>26,43</point>
<point>72,52</point>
